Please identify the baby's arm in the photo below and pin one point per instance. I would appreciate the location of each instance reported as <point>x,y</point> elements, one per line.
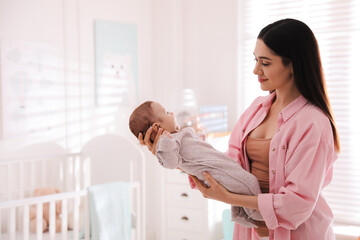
<point>168,151</point>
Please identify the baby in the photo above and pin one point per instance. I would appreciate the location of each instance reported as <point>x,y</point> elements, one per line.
<point>181,148</point>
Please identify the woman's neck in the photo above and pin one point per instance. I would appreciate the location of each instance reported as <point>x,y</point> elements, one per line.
<point>284,98</point>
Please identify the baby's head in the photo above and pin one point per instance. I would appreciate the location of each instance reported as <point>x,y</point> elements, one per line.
<point>152,114</point>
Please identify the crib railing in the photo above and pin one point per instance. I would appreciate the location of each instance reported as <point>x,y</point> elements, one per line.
<point>68,172</point>
<point>20,177</point>
<point>80,214</point>
<point>22,206</point>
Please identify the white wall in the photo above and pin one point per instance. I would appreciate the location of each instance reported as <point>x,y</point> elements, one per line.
<point>181,44</point>
<point>24,20</point>
<point>210,52</point>
<point>69,26</point>
<point>195,46</point>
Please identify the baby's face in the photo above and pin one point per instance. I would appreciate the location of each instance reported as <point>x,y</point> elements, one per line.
<point>167,119</point>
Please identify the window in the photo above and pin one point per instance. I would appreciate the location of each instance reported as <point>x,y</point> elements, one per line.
<point>334,23</point>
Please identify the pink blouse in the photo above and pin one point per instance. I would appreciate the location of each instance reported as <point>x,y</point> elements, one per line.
<point>301,160</point>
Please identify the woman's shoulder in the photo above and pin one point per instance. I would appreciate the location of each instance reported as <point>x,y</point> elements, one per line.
<point>312,114</point>
<point>304,112</point>
<point>309,125</point>
<point>311,119</point>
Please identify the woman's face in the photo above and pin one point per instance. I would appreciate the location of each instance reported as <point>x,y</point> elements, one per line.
<point>271,72</point>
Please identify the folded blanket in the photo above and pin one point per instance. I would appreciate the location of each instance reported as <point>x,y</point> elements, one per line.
<point>110,216</point>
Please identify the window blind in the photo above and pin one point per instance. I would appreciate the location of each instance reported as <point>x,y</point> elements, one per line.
<point>335,25</point>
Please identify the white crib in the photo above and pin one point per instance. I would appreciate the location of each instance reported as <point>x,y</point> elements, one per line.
<point>36,167</point>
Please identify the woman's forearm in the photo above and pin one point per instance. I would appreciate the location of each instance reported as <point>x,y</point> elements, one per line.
<point>242,200</point>
<point>218,192</point>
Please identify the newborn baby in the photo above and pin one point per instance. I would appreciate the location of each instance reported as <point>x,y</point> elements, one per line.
<point>183,149</point>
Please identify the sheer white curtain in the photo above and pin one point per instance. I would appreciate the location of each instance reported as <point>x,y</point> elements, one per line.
<point>336,26</point>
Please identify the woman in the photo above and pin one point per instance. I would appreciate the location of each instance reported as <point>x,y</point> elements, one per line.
<point>287,139</point>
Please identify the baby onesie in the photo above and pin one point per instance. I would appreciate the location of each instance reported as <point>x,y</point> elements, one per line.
<point>186,151</point>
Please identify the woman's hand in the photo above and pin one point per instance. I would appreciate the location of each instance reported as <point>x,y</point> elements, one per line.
<point>215,191</point>
<point>146,140</point>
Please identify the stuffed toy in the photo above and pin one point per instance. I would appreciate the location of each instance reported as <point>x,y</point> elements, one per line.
<point>45,223</point>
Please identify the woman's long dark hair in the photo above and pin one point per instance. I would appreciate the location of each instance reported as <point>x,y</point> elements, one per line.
<point>295,43</point>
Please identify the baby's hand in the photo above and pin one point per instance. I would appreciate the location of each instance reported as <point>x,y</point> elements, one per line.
<point>167,134</point>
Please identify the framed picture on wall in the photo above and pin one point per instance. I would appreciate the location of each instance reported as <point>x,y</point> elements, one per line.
<point>116,63</point>
<point>32,91</point>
